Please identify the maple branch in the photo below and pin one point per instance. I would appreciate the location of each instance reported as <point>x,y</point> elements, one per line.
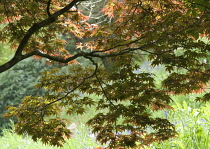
<point>19,57</point>
<point>94,53</point>
<point>105,94</point>
<point>34,28</point>
<point>51,19</point>
<point>54,58</point>
<point>80,84</point>
<point>127,50</point>
<point>48,8</point>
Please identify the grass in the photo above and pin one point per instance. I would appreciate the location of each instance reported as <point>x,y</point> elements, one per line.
<point>11,140</point>
<point>192,124</point>
<point>82,139</point>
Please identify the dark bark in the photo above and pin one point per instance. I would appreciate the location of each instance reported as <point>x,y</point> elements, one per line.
<point>34,28</point>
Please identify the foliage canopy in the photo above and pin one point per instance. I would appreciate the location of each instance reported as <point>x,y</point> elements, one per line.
<point>169,32</point>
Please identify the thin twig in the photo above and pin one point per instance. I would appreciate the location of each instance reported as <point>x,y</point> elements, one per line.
<point>80,84</point>
<point>48,8</point>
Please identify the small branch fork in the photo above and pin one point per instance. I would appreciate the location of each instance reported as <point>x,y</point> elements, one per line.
<point>41,109</point>
<point>19,57</point>
<point>80,84</point>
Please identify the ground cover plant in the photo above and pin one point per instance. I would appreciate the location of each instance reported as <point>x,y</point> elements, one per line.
<point>108,41</point>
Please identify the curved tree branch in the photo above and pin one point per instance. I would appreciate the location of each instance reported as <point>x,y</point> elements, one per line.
<point>18,55</point>
<point>51,19</point>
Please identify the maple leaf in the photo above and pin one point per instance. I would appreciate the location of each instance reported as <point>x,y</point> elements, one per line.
<point>79,45</point>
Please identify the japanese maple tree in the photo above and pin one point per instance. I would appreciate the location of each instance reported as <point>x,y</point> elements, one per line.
<point>168,31</point>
